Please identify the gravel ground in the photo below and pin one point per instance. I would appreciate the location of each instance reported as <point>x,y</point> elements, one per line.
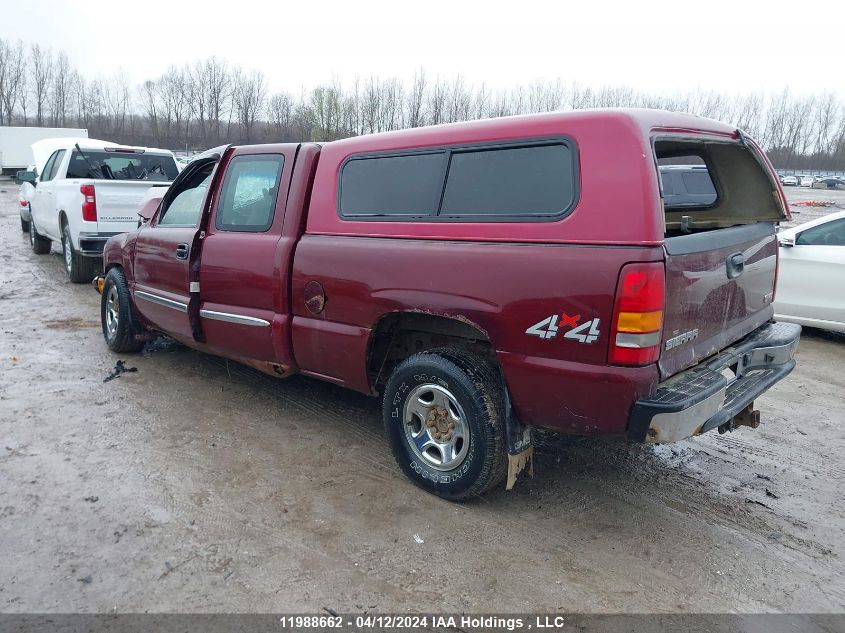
<point>193,484</point>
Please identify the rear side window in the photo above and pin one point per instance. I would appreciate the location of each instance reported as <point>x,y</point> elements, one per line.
<point>392,185</point>
<point>248,198</point>
<point>515,182</point>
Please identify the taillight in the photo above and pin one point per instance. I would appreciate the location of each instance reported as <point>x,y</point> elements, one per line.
<point>638,315</point>
<point>23,202</point>
<point>89,203</point>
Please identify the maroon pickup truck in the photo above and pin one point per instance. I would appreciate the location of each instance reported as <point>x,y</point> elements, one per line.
<point>596,273</point>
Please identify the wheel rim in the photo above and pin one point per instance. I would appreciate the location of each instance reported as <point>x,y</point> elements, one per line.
<point>436,428</point>
<point>68,254</point>
<point>112,311</point>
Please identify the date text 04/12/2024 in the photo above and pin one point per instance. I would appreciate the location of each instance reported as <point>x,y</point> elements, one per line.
<point>422,622</point>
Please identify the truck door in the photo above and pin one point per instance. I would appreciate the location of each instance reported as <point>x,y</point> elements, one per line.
<point>162,282</point>
<point>243,308</point>
<point>810,271</point>
<point>44,199</point>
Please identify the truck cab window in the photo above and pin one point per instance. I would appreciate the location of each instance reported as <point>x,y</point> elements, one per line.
<point>52,165</point>
<point>185,208</point>
<point>248,195</point>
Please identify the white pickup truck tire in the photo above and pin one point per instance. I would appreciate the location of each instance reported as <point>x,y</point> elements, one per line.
<point>79,269</point>
<point>40,245</point>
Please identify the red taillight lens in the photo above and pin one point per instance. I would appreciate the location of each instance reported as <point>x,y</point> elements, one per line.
<point>89,203</point>
<point>23,202</point>
<point>638,315</point>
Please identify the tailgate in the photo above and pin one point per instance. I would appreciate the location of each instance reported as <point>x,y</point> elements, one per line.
<point>719,287</point>
<point>118,202</point>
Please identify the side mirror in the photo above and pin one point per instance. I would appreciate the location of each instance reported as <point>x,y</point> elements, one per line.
<point>25,176</point>
<point>148,209</point>
<point>786,241</point>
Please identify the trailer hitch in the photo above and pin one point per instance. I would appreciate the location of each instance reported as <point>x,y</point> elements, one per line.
<point>749,416</point>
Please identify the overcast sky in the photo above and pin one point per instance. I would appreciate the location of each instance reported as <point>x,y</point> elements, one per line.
<point>653,46</point>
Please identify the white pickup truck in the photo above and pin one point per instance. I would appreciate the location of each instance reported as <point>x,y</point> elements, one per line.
<point>88,191</point>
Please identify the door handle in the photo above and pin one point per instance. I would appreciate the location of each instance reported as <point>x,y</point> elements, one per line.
<point>735,265</point>
<point>182,251</point>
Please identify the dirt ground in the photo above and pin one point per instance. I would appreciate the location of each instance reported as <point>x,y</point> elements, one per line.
<point>193,484</point>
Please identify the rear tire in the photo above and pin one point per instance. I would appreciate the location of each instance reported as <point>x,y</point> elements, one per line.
<point>40,245</point>
<point>79,269</point>
<point>116,315</point>
<point>444,415</point>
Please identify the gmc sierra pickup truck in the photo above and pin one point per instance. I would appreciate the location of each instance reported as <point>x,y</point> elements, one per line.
<point>483,278</point>
<point>87,191</point>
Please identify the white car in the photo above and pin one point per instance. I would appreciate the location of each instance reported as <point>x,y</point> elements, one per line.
<point>25,194</point>
<point>88,191</point>
<point>807,181</point>
<point>789,181</point>
<point>811,274</point>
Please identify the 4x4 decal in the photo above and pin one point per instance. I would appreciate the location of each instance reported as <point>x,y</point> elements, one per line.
<point>587,332</point>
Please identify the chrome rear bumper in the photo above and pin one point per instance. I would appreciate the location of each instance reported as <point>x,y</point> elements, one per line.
<point>714,392</point>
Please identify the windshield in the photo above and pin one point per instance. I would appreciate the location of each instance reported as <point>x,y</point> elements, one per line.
<point>102,165</point>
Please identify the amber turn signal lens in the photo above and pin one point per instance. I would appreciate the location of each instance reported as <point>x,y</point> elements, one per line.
<point>640,321</point>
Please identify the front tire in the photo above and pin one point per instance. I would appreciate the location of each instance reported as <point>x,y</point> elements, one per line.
<point>116,315</point>
<point>79,269</point>
<point>444,416</point>
<point>40,245</point>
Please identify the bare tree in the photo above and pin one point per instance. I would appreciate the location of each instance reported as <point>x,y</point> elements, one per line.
<point>326,103</point>
<point>217,85</point>
<point>280,112</point>
<point>117,104</point>
<point>207,102</point>
<point>174,95</point>
<point>60,91</point>
<point>14,92</point>
<point>4,77</point>
<point>828,110</point>
<point>208,91</point>
<point>148,94</point>
<point>41,60</point>
<point>248,97</point>
<point>12,79</point>
<point>416,99</point>
<point>438,99</point>
<point>89,102</point>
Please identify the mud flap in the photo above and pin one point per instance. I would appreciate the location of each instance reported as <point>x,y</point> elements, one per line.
<point>520,446</point>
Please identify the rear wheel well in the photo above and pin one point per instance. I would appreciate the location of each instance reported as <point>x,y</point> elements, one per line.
<point>399,335</point>
<point>62,220</point>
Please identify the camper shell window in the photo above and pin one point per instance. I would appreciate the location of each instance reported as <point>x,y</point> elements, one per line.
<point>709,184</point>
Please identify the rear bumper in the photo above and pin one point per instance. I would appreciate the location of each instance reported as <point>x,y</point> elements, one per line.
<point>92,244</point>
<point>26,215</point>
<point>713,393</point>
